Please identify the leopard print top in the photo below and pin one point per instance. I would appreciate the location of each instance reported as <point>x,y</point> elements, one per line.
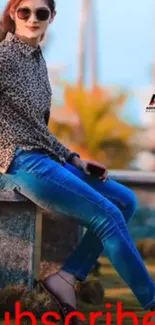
<point>25,101</point>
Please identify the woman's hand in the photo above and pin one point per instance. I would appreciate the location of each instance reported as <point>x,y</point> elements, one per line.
<point>82,164</point>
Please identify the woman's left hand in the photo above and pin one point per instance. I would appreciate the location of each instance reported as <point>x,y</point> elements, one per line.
<point>82,164</point>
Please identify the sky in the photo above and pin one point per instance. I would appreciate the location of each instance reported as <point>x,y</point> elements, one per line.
<point>125,43</point>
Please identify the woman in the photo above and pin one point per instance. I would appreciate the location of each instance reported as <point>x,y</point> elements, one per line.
<point>34,163</point>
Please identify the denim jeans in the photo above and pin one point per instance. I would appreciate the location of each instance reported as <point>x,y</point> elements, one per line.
<point>103,208</point>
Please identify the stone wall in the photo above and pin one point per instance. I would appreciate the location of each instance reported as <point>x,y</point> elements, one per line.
<point>59,236</point>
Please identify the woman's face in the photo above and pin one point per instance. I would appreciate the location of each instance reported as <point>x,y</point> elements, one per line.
<point>31,26</point>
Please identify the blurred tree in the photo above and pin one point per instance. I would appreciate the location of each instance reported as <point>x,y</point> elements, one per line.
<point>89,123</point>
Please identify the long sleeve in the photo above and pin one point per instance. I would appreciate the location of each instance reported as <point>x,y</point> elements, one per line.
<point>60,149</point>
<point>57,145</point>
<point>25,98</point>
<point>4,67</point>
<point>47,116</point>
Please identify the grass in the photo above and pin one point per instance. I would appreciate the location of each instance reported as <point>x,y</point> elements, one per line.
<point>113,287</point>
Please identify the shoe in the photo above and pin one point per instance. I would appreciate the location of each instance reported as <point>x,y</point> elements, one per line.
<point>64,307</point>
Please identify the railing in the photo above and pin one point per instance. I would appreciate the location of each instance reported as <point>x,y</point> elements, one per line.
<point>133,177</point>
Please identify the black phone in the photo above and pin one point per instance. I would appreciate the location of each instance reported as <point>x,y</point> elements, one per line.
<point>95,171</point>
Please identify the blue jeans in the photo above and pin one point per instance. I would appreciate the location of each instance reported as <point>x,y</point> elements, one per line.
<point>103,208</point>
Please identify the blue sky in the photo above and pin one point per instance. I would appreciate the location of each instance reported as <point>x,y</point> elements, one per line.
<point>125,42</point>
<point>125,39</point>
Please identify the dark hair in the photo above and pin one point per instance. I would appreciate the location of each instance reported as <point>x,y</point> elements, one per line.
<point>8,25</point>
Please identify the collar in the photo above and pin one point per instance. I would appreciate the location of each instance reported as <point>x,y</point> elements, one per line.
<point>25,48</point>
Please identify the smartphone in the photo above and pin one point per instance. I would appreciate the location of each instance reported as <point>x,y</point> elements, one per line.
<point>95,171</point>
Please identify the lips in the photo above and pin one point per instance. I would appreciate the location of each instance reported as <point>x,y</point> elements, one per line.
<point>33,28</point>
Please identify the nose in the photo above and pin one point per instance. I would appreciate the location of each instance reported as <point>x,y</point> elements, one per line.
<point>33,17</point>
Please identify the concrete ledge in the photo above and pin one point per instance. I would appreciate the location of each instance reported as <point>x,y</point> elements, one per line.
<point>20,239</point>
<point>12,196</point>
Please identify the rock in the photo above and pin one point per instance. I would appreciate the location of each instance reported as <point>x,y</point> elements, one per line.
<point>91,292</point>
<point>55,244</point>
<point>146,247</point>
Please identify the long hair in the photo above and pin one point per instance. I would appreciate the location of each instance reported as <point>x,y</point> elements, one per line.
<point>7,24</point>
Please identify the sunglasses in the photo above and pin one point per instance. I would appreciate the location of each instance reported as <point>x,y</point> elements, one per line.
<point>42,14</point>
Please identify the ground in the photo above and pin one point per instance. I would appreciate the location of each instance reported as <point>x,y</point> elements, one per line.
<point>115,290</point>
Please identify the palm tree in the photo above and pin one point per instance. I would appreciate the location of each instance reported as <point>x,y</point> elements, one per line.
<point>81,45</point>
<point>87,16</point>
<point>89,123</point>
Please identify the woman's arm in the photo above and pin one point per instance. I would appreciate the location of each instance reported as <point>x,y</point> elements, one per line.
<point>61,149</point>
<point>47,116</point>
<point>5,67</point>
<point>69,155</point>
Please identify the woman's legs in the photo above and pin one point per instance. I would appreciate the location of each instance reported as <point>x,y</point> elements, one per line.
<point>50,185</point>
<point>123,198</point>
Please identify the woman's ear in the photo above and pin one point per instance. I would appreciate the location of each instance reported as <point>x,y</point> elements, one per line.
<point>12,15</point>
<point>52,17</point>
